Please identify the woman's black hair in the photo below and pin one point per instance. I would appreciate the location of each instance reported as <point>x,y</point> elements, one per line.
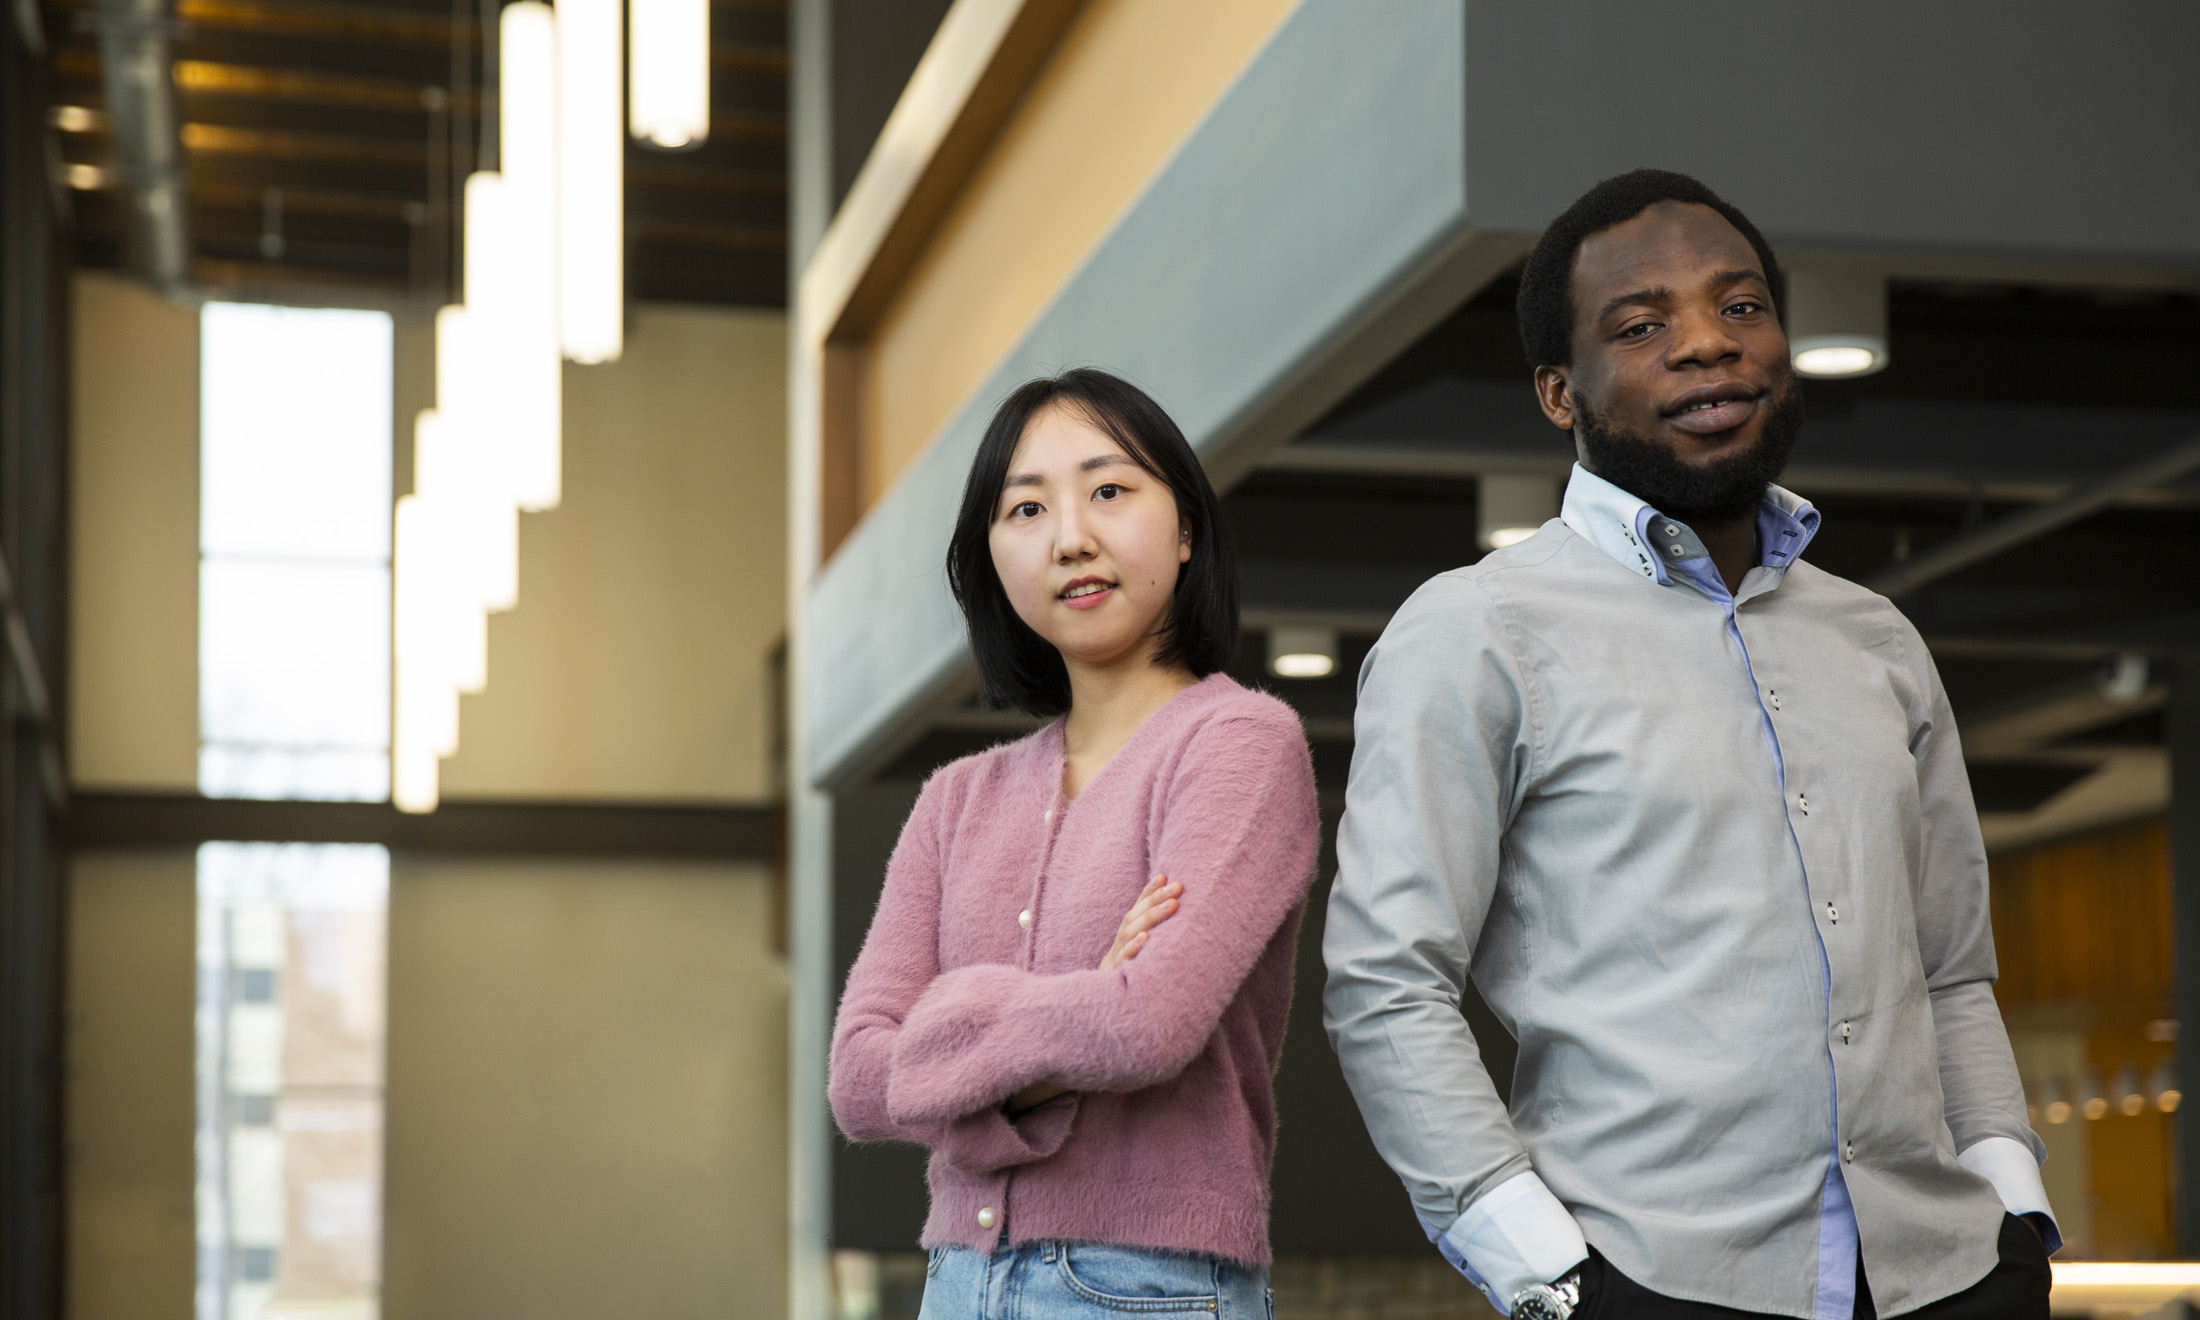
<point>1545,305</point>
<point>1017,667</point>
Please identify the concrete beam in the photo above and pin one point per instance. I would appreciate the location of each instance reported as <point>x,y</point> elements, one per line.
<point>1874,128</point>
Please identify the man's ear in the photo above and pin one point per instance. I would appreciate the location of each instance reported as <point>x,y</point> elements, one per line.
<point>1556,395</point>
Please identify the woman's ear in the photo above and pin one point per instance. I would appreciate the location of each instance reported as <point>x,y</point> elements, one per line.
<point>1184,541</point>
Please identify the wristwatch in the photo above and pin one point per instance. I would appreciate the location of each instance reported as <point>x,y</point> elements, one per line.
<point>1548,1301</point>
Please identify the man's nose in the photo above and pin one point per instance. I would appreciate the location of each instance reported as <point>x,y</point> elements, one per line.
<point>1702,338</point>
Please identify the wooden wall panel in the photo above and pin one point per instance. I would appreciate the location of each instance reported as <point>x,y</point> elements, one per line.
<point>2087,918</point>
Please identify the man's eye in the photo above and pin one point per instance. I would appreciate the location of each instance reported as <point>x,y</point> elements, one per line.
<point>1638,329</point>
<point>1746,306</point>
<point>1107,492</point>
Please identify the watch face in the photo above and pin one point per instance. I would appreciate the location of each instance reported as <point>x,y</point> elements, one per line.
<point>1537,1304</point>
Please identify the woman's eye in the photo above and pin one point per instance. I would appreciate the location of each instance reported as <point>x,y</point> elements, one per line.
<point>1107,492</point>
<point>1028,509</point>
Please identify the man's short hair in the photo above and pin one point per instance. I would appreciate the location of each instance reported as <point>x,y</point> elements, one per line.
<point>1546,300</point>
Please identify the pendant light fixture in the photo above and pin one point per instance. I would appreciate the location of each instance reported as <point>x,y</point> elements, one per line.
<point>668,79</point>
<point>591,182</point>
<point>544,281</point>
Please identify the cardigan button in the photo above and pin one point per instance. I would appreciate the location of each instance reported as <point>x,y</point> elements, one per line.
<point>986,1217</point>
<point>1023,918</point>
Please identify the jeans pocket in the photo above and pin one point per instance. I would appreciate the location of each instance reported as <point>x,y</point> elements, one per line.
<point>932,1263</point>
<point>1131,1279</point>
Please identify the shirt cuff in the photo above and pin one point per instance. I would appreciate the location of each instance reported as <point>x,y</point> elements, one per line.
<point>1517,1234</point>
<point>2009,1166</point>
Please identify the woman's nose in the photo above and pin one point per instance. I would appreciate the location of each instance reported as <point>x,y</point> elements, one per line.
<point>1073,538</point>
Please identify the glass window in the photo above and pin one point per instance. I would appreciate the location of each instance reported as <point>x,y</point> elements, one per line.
<point>294,540</point>
<point>292,970</point>
<point>294,702</point>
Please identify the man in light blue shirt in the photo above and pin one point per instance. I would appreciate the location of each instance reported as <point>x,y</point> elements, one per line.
<point>1692,815</point>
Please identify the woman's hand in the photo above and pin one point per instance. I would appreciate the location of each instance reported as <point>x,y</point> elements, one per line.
<point>1156,904</point>
<point>1033,1096</point>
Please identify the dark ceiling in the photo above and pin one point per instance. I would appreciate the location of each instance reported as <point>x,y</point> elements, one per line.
<point>324,139</point>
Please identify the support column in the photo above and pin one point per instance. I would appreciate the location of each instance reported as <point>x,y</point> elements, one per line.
<point>809,812</point>
<point>2184,862</point>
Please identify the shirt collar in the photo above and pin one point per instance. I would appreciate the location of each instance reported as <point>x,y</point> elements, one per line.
<point>1637,536</point>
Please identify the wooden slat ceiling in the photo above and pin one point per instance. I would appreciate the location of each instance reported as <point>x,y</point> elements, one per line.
<point>323,139</point>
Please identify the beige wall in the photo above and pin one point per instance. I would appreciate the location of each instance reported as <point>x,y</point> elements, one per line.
<point>587,1093</point>
<point>1129,82</point>
<point>130,1105</point>
<point>587,1096</point>
<point>650,599</point>
<point>134,539</point>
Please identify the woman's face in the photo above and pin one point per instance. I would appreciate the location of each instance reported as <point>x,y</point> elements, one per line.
<point>1087,543</point>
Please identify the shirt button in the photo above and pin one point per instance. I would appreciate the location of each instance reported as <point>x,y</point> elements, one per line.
<point>1833,914</point>
<point>1023,918</point>
<point>1676,550</point>
<point>985,1217</point>
<point>1803,802</point>
<point>1845,1033</point>
<point>1775,698</point>
<point>1848,1153</point>
<point>1671,530</point>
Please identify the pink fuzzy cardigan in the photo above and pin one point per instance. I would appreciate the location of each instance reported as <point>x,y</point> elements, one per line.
<point>956,1003</point>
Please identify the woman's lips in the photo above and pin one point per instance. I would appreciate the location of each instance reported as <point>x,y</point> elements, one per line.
<point>1710,421</point>
<point>1090,600</point>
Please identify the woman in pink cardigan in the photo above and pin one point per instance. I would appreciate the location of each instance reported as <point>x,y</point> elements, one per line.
<point>1075,986</point>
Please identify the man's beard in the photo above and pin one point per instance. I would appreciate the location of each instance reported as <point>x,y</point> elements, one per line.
<point>1718,492</point>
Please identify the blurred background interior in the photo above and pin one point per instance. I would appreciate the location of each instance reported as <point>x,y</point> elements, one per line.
<point>472,481</point>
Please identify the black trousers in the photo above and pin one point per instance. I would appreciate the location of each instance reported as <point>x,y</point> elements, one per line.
<point>2015,1290</point>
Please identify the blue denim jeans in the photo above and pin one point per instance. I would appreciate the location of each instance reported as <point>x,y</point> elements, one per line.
<point>1088,1281</point>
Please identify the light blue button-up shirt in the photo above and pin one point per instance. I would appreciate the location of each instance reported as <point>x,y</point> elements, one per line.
<point>1711,857</point>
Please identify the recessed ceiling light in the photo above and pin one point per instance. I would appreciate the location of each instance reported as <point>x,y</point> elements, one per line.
<point>1835,312</point>
<point>1302,651</point>
<point>1839,358</point>
<point>1510,506</point>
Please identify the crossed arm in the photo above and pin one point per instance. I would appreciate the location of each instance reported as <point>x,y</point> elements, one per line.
<point>942,1057</point>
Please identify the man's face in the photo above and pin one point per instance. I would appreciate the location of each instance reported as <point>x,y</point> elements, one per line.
<point>1680,389</point>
